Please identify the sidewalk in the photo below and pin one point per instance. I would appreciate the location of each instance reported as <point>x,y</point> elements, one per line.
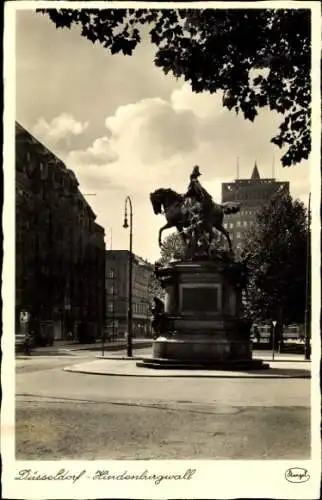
<point>61,346</point>
<point>112,366</point>
<point>108,346</point>
<point>265,356</point>
<point>285,357</point>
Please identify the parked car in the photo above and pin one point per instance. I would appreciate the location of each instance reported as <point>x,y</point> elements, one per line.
<point>19,342</point>
<point>42,333</point>
<point>86,332</point>
<point>23,343</point>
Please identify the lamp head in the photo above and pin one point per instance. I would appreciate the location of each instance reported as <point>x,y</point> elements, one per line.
<point>125,225</point>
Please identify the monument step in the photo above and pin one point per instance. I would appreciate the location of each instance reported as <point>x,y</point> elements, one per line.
<point>176,364</point>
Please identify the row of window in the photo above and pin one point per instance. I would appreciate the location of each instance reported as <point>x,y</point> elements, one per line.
<point>248,212</point>
<point>51,168</point>
<point>238,235</point>
<point>263,192</point>
<point>138,308</point>
<point>231,225</point>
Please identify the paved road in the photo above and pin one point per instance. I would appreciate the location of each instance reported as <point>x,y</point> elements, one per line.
<point>71,415</point>
<point>56,359</point>
<point>65,356</point>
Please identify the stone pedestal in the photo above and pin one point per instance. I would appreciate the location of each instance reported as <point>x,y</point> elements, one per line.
<point>203,326</point>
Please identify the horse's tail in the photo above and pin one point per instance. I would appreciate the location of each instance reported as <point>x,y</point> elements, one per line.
<point>230,207</point>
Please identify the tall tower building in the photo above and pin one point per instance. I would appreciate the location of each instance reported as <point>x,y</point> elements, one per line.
<point>252,194</point>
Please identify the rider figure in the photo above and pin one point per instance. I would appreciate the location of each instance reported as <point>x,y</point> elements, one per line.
<point>197,193</point>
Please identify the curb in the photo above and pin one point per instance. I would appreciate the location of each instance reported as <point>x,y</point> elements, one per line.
<point>113,348</point>
<point>156,374</point>
<point>120,358</point>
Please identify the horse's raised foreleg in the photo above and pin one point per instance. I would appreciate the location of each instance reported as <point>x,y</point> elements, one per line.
<point>166,226</point>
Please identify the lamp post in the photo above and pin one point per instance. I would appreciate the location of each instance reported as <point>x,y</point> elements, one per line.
<point>307,345</point>
<point>129,311</point>
<point>273,339</point>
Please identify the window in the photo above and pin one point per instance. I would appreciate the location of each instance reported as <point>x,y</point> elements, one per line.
<point>245,223</point>
<point>111,273</point>
<point>238,235</point>
<point>238,223</point>
<point>225,225</point>
<point>111,290</point>
<point>110,307</point>
<point>231,225</point>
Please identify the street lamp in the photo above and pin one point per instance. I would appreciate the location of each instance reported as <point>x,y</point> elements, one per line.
<point>129,311</point>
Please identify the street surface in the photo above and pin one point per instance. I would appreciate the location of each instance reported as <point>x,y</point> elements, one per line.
<point>63,415</point>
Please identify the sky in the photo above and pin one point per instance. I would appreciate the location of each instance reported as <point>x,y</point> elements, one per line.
<point>125,128</point>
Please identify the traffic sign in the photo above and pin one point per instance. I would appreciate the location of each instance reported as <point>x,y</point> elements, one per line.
<point>273,339</point>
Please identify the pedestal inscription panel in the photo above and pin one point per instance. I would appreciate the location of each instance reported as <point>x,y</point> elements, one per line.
<point>196,299</point>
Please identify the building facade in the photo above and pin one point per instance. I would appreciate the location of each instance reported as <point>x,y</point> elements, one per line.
<point>252,194</point>
<point>117,296</point>
<point>60,249</point>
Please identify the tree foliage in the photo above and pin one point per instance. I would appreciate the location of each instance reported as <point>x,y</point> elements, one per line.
<point>172,248</point>
<point>154,289</point>
<point>257,57</point>
<point>277,249</point>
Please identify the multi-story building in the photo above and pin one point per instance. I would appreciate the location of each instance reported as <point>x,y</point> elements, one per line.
<point>116,279</point>
<point>252,194</point>
<point>60,250</point>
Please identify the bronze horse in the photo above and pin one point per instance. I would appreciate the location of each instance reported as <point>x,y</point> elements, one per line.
<point>177,215</point>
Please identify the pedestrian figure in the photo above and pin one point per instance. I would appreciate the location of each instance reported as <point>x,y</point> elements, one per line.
<point>257,334</point>
<point>27,344</point>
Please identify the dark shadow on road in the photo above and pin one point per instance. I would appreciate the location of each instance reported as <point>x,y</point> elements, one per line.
<point>284,373</point>
<point>45,354</point>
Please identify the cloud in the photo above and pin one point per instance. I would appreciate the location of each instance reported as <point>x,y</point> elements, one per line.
<point>100,153</point>
<point>155,142</point>
<point>145,143</point>
<point>153,130</point>
<point>59,132</point>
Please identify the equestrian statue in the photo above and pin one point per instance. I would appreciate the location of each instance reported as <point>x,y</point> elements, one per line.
<point>194,214</point>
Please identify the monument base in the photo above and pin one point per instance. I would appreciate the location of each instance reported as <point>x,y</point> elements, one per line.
<point>216,346</point>
<point>202,352</point>
<point>202,325</point>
